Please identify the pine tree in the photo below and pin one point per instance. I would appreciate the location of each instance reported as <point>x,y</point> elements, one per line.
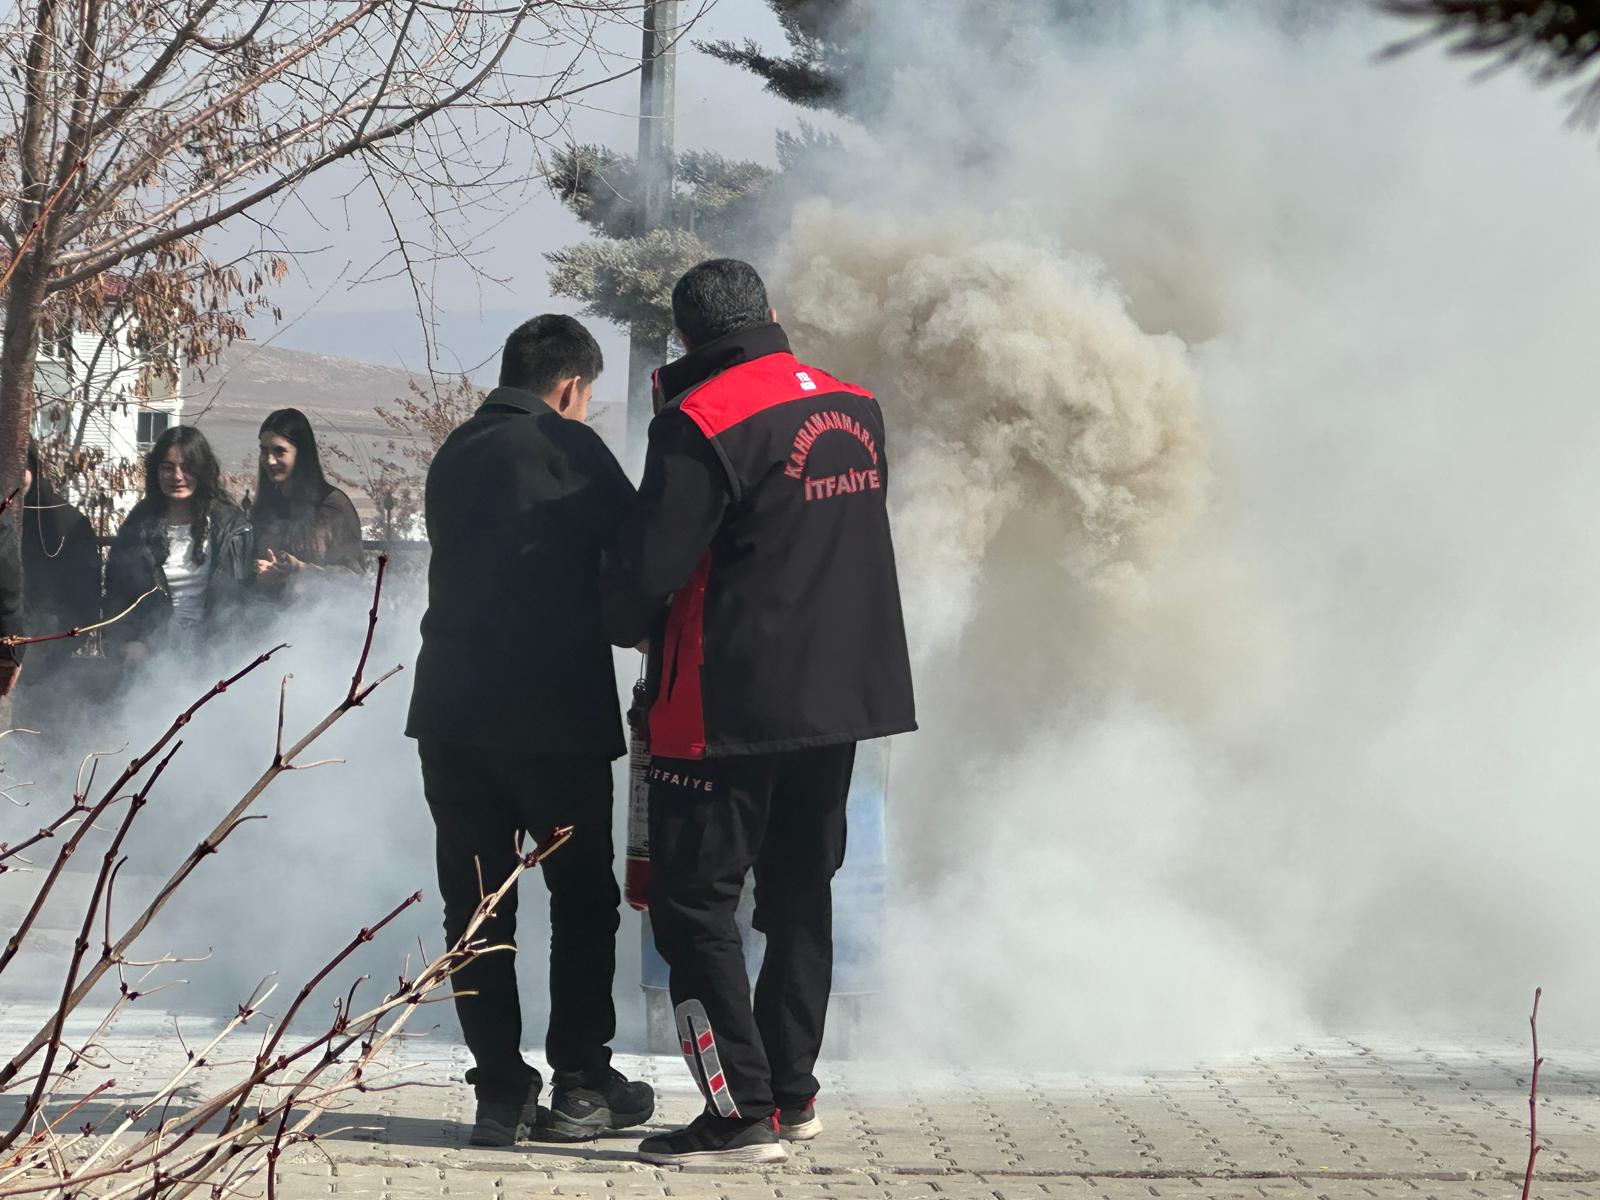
<point>830,63</point>
<point>828,66</point>
<point>719,206</point>
<point>822,68</point>
<point>1554,41</point>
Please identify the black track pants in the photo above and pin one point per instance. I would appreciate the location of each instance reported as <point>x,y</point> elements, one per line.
<point>480,800</point>
<point>711,822</point>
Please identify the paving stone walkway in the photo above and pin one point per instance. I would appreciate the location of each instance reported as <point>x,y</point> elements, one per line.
<point>1346,1117</point>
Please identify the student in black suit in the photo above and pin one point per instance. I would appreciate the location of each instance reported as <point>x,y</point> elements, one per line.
<point>516,717</point>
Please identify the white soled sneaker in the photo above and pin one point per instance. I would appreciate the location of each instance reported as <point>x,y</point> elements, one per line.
<point>710,1138</point>
<point>799,1124</point>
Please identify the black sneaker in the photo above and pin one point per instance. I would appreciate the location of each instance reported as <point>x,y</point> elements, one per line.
<point>799,1123</point>
<point>583,1106</point>
<point>710,1138</point>
<point>504,1122</point>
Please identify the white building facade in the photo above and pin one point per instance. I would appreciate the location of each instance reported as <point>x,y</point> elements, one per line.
<point>99,392</point>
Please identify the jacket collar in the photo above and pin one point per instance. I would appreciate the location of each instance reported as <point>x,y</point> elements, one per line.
<point>224,520</point>
<point>715,357</point>
<point>511,397</point>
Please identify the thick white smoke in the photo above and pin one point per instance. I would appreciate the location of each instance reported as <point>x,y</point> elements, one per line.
<point>339,846</point>
<point>1319,757</point>
<point>1241,402</point>
<point>1020,379</point>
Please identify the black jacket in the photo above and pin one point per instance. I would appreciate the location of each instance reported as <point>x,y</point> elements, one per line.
<point>762,515</point>
<point>61,569</point>
<point>136,563</point>
<point>519,502</point>
<point>323,531</point>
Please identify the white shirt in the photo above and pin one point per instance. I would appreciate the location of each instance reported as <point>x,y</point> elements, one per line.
<point>186,579</point>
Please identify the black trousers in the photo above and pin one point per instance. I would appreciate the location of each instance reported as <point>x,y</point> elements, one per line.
<point>712,822</point>
<point>481,800</point>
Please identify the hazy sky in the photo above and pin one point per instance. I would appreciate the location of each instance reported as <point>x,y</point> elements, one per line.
<point>328,311</point>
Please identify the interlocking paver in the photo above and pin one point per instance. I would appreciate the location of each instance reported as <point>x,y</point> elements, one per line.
<point>1370,1118</point>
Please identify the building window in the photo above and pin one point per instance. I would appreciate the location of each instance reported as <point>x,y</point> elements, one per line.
<point>55,341</point>
<point>151,426</point>
<point>50,420</point>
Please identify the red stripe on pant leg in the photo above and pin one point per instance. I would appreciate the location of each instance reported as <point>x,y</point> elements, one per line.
<point>684,1016</point>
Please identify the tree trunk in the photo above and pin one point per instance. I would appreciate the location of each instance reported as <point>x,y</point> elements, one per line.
<point>19,348</point>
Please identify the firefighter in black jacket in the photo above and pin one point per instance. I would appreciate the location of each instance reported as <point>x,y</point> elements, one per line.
<point>516,718</point>
<point>762,530</point>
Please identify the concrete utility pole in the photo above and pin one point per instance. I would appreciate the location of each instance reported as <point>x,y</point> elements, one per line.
<point>656,84</point>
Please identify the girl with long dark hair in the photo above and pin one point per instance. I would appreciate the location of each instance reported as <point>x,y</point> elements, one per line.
<point>186,540</point>
<point>303,524</point>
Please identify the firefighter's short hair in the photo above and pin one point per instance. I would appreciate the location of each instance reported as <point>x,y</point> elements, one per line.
<point>718,297</point>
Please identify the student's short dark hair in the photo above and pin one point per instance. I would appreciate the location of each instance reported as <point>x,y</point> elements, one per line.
<point>718,297</point>
<point>542,352</point>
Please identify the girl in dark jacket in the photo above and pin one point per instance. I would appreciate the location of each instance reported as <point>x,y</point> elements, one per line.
<point>186,539</point>
<point>303,524</point>
<point>60,568</point>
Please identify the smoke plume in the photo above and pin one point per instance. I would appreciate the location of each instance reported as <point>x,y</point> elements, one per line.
<point>1241,413</point>
<point>1237,393</point>
<point>1020,378</point>
<point>326,850</point>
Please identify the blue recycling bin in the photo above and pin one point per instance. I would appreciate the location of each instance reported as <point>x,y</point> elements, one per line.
<point>860,903</point>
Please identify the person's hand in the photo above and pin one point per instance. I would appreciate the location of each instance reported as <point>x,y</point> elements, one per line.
<point>273,564</point>
<point>10,672</point>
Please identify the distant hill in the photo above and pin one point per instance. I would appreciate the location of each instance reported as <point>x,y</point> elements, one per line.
<point>228,399</point>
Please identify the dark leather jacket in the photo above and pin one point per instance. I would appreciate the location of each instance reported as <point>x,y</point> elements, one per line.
<point>136,563</point>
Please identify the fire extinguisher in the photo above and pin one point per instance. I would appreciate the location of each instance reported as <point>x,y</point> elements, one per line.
<point>636,876</point>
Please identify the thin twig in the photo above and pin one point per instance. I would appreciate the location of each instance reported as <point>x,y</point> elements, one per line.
<point>76,630</point>
<point>80,804</point>
<point>1533,1097</point>
<point>9,1071</point>
<point>356,696</point>
<point>283,698</point>
<point>79,947</point>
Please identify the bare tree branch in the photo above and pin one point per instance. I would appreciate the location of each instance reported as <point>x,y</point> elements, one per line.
<point>142,128</point>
